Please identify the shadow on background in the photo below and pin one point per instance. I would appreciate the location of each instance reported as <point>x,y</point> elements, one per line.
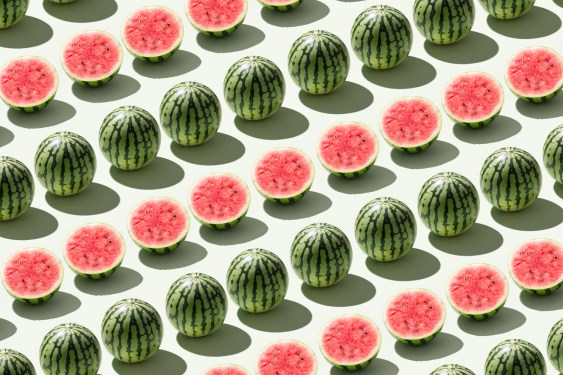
<point>81,10</point>
<point>28,32</point>
<point>58,306</point>
<point>186,254</point>
<point>549,302</point>
<point>443,345</point>
<point>559,3</point>
<point>6,136</point>
<point>287,316</point>
<point>489,239</point>
<point>348,98</point>
<point>379,366</point>
<point>120,87</point>
<point>540,215</point>
<point>245,37</point>
<point>499,129</point>
<point>53,114</point>
<point>248,229</point>
<point>285,123</point>
<point>551,109</point>
<point>308,12</point>
<point>504,321</point>
<point>474,48</point>
<point>311,204</point>
<point>158,174</point>
<point>7,329</point>
<point>32,224</point>
<point>227,340</point>
<point>221,149</point>
<point>182,62</point>
<point>536,23</point>
<point>440,152</point>
<point>351,290</point>
<point>120,281</point>
<point>412,72</point>
<point>415,265</point>
<point>95,199</point>
<point>162,359</point>
<point>558,189</point>
<point>376,178</point>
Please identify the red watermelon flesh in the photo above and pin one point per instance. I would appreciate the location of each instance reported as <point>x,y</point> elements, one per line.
<point>226,370</point>
<point>537,265</point>
<point>287,357</point>
<point>216,15</point>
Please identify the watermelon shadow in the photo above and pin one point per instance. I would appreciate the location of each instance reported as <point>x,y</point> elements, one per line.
<point>350,291</point>
<point>478,240</point>
<point>182,62</point>
<point>412,72</point>
<point>120,281</point>
<point>59,305</point>
<point>158,174</point>
<point>32,224</point>
<point>504,321</point>
<point>376,178</point>
<point>548,302</point>
<point>162,361</point>
<point>379,366</point>
<point>308,12</point>
<point>311,204</point>
<point>28,32</point>
<point>348,98</point>
<point>7,329</point>
<point>120,87</point>
<point>443,345</point>
<point>558,3</point>
<point>536,23</point>
<point>81,11</point>
<point>500,129</point>
<point>227,340</point>
<point>440,152</point>
<point>558,189</point>
<point>287,316</point>
<point>221,149</point>
<point>53,114</point>
<point>245,37</point>
<point>547,110</point>
<point>248,229</point>
<point>540,215</point>
<point>415,265</point>
<point>186,254</point>
<point>285,123</point>
<point>474,48</point>
<point>95,199</point>
<point>6,136</point>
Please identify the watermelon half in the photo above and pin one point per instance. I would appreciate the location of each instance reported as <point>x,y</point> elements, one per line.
<point>219,200</point>
<point>414,316</point>
<point>216,18</point>
<point>477,291</point>
<point>28,83</point>
<point>32,275</point>
<point>535,74</point>
<point>411,124</point>
<point>283,175</point>
<point>280,5</point>
<point>226,370</point>
<point>158,225</point>
<point>152,33</point>
<point>92,58</point>
<point>94,251</point>
<point>350,342</point>
<point>347,149</point>
<point>536,266</point>
<point>473,99</point>
<point>286,357</point>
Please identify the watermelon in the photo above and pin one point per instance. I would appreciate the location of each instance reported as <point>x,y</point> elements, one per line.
<point>347,149</point>
<point>536,266</point>
<point>219,200</point>
<point>515,357</point>
<point>190,113</point>
<point>16,188</point>
<point>129,137</point>
<point>410,124</point>
<point>385,229</point>
<point>257,280</point>
<point>280,5</point>
<point>350,342</point>
<point>381,37</point>
<point>473,99</point>
<point>196,304</point>
<point>92,58</point>
<point>286,357</point>
<point>158,225</point>
<point>32,275</point>
<point>553,154</point>
<point>132,330</point>
<point>414,316</point>
<point>12,11</point>
<point>507,10</point>
<point>452,369</point>
<point>216,18</point>
<point>94,251</point>
<point>477,291</point>
<point>254,88</point>
<point>61,1</point>
<point>444,21</point>
<point>555,345</point>
<point>226,370</point>
<point>318,62</point>
<point>152,33</point>
<point>283,175</point>
<point>13,362</point>
<point>28,83</point>
<point>448,204</point>
<point>70,348</point>
<point>535,74</point>
<point>510,179</point>
<point>321,255</point>
<point>65,163</point>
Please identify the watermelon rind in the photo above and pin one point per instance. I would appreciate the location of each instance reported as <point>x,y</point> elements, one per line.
<point>18,188</point>
<point>452,369</point>
<point>13,362</point>
<point>12,11</point>
<point>515,356</point>
<point>227,369</point>
<point>70,348</point>
<point>444,21</point>
<point>218,32</point>
<point>553,154</point>
<point>288,342</point>
<point>507,10</point>
<point>555,345</point>
<point>61,1</point>
<point>283,7</point>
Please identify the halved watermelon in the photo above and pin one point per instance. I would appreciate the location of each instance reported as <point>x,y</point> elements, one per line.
<point>411,124</point>
<point>32,275</point>
<point>216,18</point>
<point>347,149</point>
<point>92,58</point>
<point>226,370</point>
<point>28,83</point>
<point>281,5</point>
<point>286,357</point>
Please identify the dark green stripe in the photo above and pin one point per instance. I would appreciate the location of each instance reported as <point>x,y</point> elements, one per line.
<point>13,362</point>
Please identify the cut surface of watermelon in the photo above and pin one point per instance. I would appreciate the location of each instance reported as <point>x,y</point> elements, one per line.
<point>216,17</point>
<point>286,357</point>
<point>226,370</point>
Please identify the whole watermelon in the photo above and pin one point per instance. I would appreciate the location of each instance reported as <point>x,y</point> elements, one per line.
<point>452,369</point>
<point>515,357</point>
<point>16,188</point>
<point>507,9</point>
<point>444,21</point>
<point>555,345</point>
<point>553,154</point>
<point>12,11</point>
<point>13,362</point>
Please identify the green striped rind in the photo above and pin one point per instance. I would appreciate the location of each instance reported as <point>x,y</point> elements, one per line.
<point>452,369</point>
<point>129,137</point>
<point>16,188</point>
<point>507,9</point>
<point>510,179</point>
<point>381,37</point>
<point>555,346</point>
<point>385,229</point>
<point>12,11</point>
<point>318,62</point>
<point>132,330</point>
<point>70,348</point>
<point>321,255</point>
<point>196,304</point>
<point>218,33</point>
<point>448,204</point>
<point>281,8</point>
<point>444,21</point>
<point>98,82</point>
<point>13,362</point>
<point>190,113</point>
<point>254,88</point>
<point>257,280</point>
<point>515,356</point>
<point>553,154</point>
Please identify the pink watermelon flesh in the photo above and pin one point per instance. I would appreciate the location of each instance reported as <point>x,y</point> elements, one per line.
<point>535,72</point>
<point>215,15</point>
<point>226,370</point>
<point>286,358</point>
<point>538,264</point>
<point>28,81</point>
<point>350,340</point>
